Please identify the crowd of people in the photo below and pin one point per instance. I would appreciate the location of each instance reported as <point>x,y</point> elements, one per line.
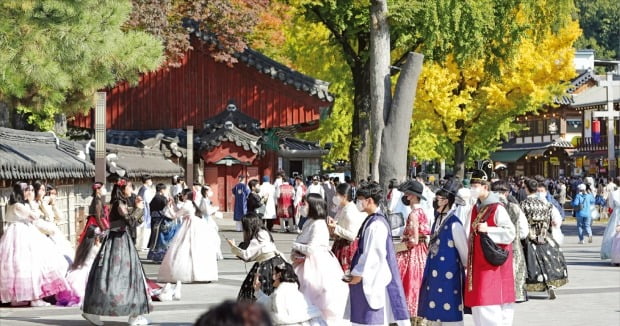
<point>476,249</point>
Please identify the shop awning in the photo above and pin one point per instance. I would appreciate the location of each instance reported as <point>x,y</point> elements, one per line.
<point>537,152</point>
<point>508,156</point>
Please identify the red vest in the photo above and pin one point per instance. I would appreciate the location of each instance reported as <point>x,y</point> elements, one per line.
<point>490,285</point>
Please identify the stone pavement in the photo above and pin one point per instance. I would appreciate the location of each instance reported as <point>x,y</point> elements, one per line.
<point>592,296</point>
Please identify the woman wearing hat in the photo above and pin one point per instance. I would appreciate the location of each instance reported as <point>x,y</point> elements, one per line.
<point>412,251</point>
<point>441,293</point>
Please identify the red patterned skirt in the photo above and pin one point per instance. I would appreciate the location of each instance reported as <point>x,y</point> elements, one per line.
<point>344,250</point>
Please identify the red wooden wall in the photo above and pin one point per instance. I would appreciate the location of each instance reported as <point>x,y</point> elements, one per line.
<point>199,89</point>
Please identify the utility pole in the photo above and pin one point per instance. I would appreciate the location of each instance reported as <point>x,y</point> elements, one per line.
<point>100,137</point>
<point>610,114</point>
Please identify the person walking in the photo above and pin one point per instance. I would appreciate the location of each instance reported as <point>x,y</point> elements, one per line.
<point>582,203</point>
<point>143,231</point>
<point>546,266</point>
<point>286,193</point>
<point>267,193</point>
<point>240,191</point>
<point>116,283</point>
<point>320,274</point>
<point>376,295</point>
<point>489,288</point>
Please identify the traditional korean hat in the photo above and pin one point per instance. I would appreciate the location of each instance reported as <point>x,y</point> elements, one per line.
<point>413,187</point>
<point>479,176</point>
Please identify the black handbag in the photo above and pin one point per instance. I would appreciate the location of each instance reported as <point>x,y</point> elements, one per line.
<point>493,253</point>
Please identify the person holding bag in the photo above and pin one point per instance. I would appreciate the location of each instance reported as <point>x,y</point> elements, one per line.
<point>489,287</point>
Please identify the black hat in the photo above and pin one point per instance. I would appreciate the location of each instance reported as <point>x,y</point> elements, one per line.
<point>478,176</point>
<point>413,187</point>
<point>450,187</point>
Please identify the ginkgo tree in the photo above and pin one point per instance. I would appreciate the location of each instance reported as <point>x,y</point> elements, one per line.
<point>473,108</point>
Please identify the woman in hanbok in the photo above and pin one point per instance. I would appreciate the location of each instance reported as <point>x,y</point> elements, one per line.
<point>258,246</point>
<point>163,225</point>
<point>46,223</point>
<point>97,211</point>
<point>207,210</point>
<point>285,194</point>
<point>441,293</point>
<point>546,267</point>
<point>610,247</point>
<point>412,252</point>
<point>191,257</point>
<point>79,270</point>
<point>116,283</point>
<point>345,226</point>
<point>31,267</point>
<point>320,274</point>
<point>288,306</point>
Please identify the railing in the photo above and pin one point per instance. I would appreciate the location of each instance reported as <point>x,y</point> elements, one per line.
<point>587,144</point>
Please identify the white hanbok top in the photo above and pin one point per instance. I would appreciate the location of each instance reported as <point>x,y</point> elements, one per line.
<point>314,236</point>
<point>350,220</point>
<point>258,247</point>
<point>287,305</point>
<point>268,191</point>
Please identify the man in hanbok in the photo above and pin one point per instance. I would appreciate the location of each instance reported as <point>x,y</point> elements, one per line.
<point>241,192</point>
<point>374,283</point>
<point>489,289</point>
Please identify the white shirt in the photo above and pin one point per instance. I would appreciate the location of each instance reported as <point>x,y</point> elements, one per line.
<point>504,231</point>
<point>287,305</point>
<point>267,190</point>
<point>316,189</point>
<point>350,220</point>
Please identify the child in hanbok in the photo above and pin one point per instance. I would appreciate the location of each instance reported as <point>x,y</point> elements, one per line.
<point>31,267</point>
<point>78,273</point>
<point>287,305</point>
<point>320,274</point>
<point>191,257</point>
<point>257,246</point>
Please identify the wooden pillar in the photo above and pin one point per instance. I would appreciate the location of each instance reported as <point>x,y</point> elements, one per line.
<point>189,172</point>
<point>100,136</point>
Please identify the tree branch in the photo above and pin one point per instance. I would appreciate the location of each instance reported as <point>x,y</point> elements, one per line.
<point>399,62</point>
<point>350,55</point>
<point>443,123</point>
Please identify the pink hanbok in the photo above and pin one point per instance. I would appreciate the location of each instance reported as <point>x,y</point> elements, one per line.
<point>411,262</point>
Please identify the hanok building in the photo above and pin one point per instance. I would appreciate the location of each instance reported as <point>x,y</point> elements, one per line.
<point>560,141</point>
<point>241,112</point>
<point>28,156</point>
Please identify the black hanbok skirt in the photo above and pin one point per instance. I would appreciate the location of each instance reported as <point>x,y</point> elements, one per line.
<point>265,271</point>
<point>545,264</point>
<point>116,283</point>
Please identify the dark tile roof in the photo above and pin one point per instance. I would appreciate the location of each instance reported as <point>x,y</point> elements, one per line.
<point>135,162</point>
<point>40,155</point>
<point>171,142</point>
<point>209,139</point>
<point>581,79</point>
<point>299,147</point>
<point>268,66</point>
<point>233,114</point>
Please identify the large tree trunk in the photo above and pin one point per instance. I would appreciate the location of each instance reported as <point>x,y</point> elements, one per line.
<point>359,151</point>
<point>395,143</point>
<point>380,84</point>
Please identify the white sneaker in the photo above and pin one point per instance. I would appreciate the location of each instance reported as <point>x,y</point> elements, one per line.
<point>177,291</point>
<point>166,293</point>
<point>93,319</point>
<point>138,321</point>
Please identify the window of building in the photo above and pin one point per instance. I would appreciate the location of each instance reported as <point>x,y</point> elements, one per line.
<point>574,125</point>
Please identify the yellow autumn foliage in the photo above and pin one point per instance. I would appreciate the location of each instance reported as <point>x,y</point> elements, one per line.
<point>470,103</point>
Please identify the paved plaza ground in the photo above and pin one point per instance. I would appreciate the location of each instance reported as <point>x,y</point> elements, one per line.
<point>592,296</point>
